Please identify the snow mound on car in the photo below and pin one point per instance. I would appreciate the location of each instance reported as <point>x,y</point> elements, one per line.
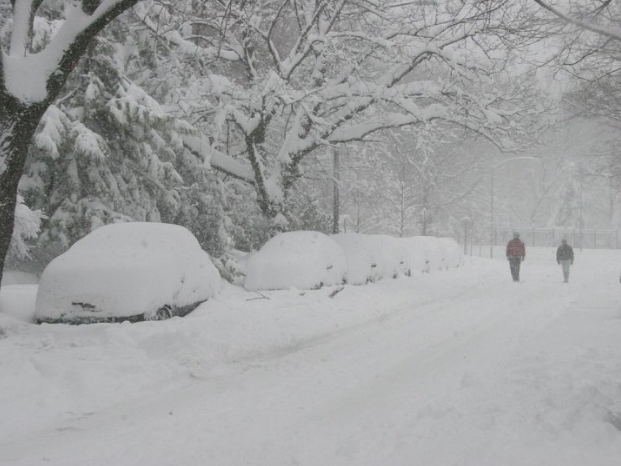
<point>430,247</point>
<point>364,260</point>
<point>127,269</point>
<point>453,255</point>
<point>415,254</point>
<point>372,257</point>
<point>300,259</point>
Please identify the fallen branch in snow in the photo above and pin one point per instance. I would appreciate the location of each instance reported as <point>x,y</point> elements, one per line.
<point>261,297</point>
<point>337,291</point>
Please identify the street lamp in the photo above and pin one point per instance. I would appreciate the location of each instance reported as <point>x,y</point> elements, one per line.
<point>492,226</point>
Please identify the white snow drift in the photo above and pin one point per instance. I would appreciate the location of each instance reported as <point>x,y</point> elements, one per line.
<point>127,269</point>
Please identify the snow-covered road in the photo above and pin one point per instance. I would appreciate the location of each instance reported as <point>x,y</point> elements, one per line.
<point>462,367</point>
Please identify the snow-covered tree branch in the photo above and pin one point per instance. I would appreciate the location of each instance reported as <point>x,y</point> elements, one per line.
<point>321,73</point>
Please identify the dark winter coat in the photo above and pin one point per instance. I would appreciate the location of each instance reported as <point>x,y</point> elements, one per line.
<point>565,253</point>
<point>516,249</point>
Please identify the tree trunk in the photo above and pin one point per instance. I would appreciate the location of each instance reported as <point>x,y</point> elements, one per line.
<point>18,123</point>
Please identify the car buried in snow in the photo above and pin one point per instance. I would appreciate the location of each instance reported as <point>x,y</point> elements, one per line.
<point>127,272</point>
<point>305,260</point>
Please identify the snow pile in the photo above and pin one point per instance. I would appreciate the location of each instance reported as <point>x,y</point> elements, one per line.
<point>124,270</point>
<point>299,259</point>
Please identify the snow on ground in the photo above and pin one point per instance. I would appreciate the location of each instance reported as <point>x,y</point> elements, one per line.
<point>462,367</point>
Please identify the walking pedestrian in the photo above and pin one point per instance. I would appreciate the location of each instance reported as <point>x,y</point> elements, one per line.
<point>565,258</point>
<point>516,253</point>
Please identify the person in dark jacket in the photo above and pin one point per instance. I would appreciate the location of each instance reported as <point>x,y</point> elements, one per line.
<point>565,258</point>
<point>516,253</point>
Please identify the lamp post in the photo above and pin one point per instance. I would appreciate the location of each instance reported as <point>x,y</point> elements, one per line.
<point>492,226</point>
<point>581,220</point>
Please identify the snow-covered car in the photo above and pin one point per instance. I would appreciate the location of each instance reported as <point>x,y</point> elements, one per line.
<point>393,257</point>
<point>364,260</point>
<point>415,254</point>
<point>430,248</point>
<point>127,272</point>
<point>299,259</point>
<point>453,254</point>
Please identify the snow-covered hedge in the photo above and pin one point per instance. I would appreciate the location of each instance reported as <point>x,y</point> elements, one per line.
<point>298,259</point>
<point>123,270</point>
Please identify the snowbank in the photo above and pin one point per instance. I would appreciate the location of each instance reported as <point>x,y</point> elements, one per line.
<point>125,270</point>
<point>299,259</point>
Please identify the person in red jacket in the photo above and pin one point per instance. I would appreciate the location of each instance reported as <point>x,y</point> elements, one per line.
<point>516,253</point>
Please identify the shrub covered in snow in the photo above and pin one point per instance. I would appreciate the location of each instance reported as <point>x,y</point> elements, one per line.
<point>299,259</point>
<point>127,271</point>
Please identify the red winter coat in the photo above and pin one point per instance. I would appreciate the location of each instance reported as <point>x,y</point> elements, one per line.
<point>515,249</point>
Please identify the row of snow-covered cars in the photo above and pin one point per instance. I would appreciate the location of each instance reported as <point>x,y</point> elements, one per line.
<point>150,271</point>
